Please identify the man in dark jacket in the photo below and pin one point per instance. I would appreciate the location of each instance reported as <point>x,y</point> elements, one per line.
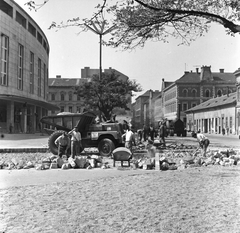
<point>162,132</point>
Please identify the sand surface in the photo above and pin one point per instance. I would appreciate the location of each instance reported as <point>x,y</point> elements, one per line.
<point>204,199</point>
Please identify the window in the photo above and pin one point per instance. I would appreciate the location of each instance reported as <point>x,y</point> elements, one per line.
<point>39,38</point>
<point>39,76</point>
<point>185,93</point>
<point>61,108</point>
<point>230,124</point>
<point>78,109</point>
<point>194,93</point>
<point>194,104</point>
<point>44,80</point>
<point>219,92</point>
<point>20,19</point>
<point>70,108</point>
<point>4,60</point>
<point>70,96</point>
<point>44,45</point>
<point>62,97</point>
<point>185,106</point>
<point>207,93</point>
<point>53,97</point>
<point>6,8</point>
<point>32,29</point>
<point>31,73</point>
<point>238,94</point>
<point>20,67</point>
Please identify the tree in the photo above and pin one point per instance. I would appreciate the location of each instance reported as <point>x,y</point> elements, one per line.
<point>138,21</point>
<point>142,20</point>
<point>107,93</point>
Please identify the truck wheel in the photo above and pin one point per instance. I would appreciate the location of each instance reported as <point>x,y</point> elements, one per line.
<point>105,147</point>
<point>51,145</point>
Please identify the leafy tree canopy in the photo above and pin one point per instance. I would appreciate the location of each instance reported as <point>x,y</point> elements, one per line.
<point>138,21</point>
<point>107,93</point>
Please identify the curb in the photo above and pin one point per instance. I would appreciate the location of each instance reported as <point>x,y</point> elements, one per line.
<point>24,150</point>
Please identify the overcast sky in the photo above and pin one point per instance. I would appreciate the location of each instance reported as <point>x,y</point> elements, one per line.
<point>71,51</point>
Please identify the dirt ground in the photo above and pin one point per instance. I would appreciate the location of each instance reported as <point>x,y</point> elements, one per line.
<point>203,199</point>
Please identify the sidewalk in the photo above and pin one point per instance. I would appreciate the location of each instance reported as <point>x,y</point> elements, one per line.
<point>23,143</point>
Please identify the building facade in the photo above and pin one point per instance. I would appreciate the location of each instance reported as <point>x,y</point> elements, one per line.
<point>24,70</point>
<point>61,91</point>
<point>237,75</point>
<point>144,109</point>
<point>194,88</point>
<point>61,94</point>
<point>214,116</point>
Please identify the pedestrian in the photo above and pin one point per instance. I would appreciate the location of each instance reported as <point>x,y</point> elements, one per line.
<point>145,132</point>
<point>203,142</point>
<point>140,133</point>
<point>10,128</point>
<point>76,142</point>
<point>162,132</point>
<point>151,132</point>
<point>129,139</point>
<point>63,144</point>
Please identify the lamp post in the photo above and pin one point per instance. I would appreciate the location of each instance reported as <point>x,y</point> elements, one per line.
<point>99,29</point>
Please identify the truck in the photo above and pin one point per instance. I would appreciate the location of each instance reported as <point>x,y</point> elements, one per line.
<point>105,136</point>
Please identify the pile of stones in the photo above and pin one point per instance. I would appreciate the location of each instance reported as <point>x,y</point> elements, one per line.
<point>54,162</point>
<point>172,160</point>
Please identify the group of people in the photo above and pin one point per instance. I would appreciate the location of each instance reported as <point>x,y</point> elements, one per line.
<point>150,132</point>
<point>64,143</point>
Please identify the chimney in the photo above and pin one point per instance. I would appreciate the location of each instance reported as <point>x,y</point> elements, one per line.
<point>197,70</point>
<point>58,76</point>
<point>221,70</point>
<point>206,73</point>
<point>186,72</point>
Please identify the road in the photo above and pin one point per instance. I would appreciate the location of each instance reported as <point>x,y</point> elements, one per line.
<point>222,141</point>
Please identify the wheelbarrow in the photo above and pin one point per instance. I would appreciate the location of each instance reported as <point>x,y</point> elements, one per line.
<point>121,154</point>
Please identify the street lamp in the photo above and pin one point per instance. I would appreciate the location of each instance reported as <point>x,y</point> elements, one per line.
<point>99,29</point>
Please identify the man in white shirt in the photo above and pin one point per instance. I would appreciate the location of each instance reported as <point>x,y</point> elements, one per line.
<point>203,142</point>
<point>129,139</point>
<point>76,142</point>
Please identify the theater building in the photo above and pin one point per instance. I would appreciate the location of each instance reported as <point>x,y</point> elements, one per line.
<point>24,71</point>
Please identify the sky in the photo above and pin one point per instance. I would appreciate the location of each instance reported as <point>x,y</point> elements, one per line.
<point>71,51</point>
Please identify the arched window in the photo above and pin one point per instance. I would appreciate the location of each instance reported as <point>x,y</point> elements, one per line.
<point>62,97</point>
<point>185,93</point>
<point>53,96</point>
<point>70,97</point>
<point>219,93</point>
<point>207,93</point>
<point>194,93</point>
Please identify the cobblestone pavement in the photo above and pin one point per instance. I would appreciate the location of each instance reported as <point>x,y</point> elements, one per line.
<point>191,200</point>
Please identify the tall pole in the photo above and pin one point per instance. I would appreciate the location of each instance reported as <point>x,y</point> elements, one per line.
<point>100,31</point>
<point>100,58</point>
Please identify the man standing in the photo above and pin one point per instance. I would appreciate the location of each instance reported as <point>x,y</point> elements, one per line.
<point>162,132</point>
<point>151,132</point>
<point>145,132</point>
<point>63,144</point>
<point>129,139</point>
<point>76,142</point>
<point>203,142</point>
